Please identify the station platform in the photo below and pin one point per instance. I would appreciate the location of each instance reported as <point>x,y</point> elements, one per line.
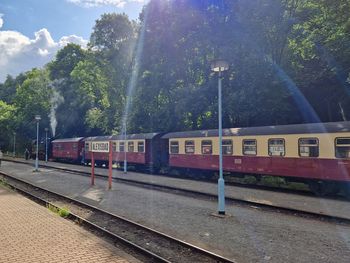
<point>31,233</point>
<point>318,205</point>
<point>247,234</point>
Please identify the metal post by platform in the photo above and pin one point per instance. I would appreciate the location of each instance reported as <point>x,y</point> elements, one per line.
<point>125,161</point>
<point>110,163</point>
<point>37,118</point>
<point>14,145</point>
<point>220,66</point>
<point>46,130</point>
<point>92,168</point>
<point>221,182</point>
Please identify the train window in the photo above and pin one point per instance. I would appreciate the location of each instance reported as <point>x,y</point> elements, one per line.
<point>75,146</point>
<point>308,147</point>
<point>189,146</point>
<point>114,146</point>
<point>131,147</point>
<point>342,147</point>
<point>249,147</point>
<point>227,148</point>
<point>140,147</point>
<point>207,147</point>
<point>174,147</point>
<point>276,147</point>
<point>86,147</point>
<point>121,147</point>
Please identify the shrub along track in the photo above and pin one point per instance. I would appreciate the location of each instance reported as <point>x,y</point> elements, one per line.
<point>147,244</point>
<point>208,196</point>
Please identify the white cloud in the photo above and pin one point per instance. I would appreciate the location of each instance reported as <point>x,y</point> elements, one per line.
<point>18,53</point>
<point>94,3</point>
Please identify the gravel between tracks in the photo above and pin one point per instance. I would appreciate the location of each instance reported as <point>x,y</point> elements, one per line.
<point>249,235</point>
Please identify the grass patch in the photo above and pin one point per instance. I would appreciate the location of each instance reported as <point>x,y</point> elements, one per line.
<point>3,182</point>
<point>62,212</point>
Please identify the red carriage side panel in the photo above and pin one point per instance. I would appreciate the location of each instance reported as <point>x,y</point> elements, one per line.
<point>131,157</point>
<point>308,168</point>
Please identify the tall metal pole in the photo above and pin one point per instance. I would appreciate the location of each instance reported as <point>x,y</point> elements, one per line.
<point>220,65</point>
<point>221,182</point>
<point>14,145</point>
<point>46,144</point>
<point>37,147</point>
<point>110,164</point>
<point>125,161</point>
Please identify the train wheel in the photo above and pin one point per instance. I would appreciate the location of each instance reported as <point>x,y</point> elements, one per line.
<point>321,188</point>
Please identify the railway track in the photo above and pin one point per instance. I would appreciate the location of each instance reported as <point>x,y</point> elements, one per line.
<point>152,245</point>
<point>207,196</point>
<point>303,192</point>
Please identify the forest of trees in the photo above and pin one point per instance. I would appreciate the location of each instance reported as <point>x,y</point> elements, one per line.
<point>289,63</point>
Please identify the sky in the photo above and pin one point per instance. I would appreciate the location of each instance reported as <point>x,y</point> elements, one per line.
<point>32,31</point>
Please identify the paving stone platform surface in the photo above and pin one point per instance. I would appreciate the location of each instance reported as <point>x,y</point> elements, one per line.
<point>31,233</point>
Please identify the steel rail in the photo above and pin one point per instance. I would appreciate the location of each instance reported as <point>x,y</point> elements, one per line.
<point>138,248</point>
<point>303,192</point>
<point>177,190</point>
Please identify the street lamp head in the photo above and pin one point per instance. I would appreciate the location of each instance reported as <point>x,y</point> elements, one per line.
<point>37,117</point>
<point>46,129</point>
<point>219,65</point>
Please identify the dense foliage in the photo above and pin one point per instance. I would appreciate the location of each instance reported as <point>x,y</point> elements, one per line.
<point>289,63</point>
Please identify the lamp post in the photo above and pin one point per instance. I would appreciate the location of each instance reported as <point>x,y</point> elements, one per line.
<point>37,118</point>
<point>125,160</point>
<point>14,144</point>
<point>220,66</point>
<point>46,130</point>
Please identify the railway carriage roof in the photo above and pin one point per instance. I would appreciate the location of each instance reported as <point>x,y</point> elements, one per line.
<point>329,127</point>
<point>77,139</point>
<point>140,136</point>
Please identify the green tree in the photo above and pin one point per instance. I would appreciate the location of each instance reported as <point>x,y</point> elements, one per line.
<point>68,117</point>
<point>92,85</point>
<point>320,48</point>
<point>32,98</point>
<point>8,88</point>
<point>7,115</point>
<point>65,61</point>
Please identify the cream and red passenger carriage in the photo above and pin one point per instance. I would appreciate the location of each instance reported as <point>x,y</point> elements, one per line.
<point>317,153</point>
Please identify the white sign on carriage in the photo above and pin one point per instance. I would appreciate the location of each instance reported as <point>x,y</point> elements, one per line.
<point>100,146</point>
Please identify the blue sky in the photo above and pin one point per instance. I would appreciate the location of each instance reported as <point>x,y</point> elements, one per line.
<point>60,17</point>
<point>31,31</point>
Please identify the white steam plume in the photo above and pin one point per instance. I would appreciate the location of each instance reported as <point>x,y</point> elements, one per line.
<point>55,101</point>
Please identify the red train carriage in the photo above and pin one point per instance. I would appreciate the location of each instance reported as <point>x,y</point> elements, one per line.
<point>145,151</point>
<point>100,157</point>
<point>317,153</point>
<point>69,149</point>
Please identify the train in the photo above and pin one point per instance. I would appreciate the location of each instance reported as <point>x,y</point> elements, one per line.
<point>317,154</point>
